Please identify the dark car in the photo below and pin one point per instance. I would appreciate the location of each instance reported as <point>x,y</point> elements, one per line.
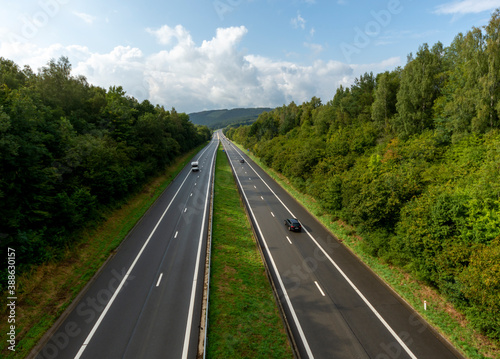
<point>293,224</point>
<point>242,161</point>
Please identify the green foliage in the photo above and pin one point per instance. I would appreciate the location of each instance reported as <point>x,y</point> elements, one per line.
<point>420,86</point>
<point>385,99</point>
<point>67,149</point>
<point>461,93</point>
<point>481,283</point>
<point>410,158</point>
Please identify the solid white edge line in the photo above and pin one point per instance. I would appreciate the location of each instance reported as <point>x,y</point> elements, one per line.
<point>319,288</point>
<point>280,281</point>
<point>382,320</point>
<point>159,279</point>
<point>193,288</point>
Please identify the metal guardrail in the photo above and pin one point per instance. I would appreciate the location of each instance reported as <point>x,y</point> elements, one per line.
<point>202,340</point>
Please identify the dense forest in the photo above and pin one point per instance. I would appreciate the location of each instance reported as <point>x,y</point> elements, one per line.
<point>69,150</point>
<point>411,158</point>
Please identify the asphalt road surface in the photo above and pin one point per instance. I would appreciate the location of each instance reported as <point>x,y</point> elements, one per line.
<point>335,306</point>
<point>146,301</point>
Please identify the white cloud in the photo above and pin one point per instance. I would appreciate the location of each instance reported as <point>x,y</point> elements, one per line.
<point>385,65</point>
<point>165,34</point>
<point>315,48</point>
<point>193,77</point>
<point>89,19</point>
<point>467,6</point>
<point>123,66</point>
<point>29,54</point>
<point>298,21</point>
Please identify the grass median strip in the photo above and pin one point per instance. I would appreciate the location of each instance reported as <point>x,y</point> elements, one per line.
<point>244,321</point>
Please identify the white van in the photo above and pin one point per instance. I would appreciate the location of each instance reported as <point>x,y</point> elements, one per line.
<point>194,166</point>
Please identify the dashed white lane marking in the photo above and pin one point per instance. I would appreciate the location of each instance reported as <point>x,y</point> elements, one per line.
<point>289,239</point>
<point>320,290</point>
<point>159,279</point>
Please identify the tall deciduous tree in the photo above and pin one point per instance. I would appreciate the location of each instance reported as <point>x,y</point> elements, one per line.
<point>420,86</point>
<point>489,107</point>
<point>461,92</point>
<point>385,98</point>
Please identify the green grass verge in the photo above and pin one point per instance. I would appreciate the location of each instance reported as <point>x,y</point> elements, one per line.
<point>440,313</point>
<point>244,321</point>
<point>45,292</point>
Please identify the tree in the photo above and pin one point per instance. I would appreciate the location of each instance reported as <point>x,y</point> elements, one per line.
<point>341,104</point>
<point>59,89</point>
<point>11,76</point>
<point>458,105</point>
<point>120,113</point>
<point>385,98</point>
<point>362,97</point>
<point>489,107</point>
<point>420,86</point>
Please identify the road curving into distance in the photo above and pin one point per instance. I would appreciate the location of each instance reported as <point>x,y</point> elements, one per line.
<point>334,305</point>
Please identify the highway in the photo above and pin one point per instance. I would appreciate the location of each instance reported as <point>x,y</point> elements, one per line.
<point>146,300</point>
<point>335,306</point>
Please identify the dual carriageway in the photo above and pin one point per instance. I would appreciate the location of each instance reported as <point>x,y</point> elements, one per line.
<point>147,300</point>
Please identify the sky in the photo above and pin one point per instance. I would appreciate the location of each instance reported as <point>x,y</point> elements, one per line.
<point>196,55</point>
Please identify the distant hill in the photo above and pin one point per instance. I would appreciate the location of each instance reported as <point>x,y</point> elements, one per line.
<point>221,118</point>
